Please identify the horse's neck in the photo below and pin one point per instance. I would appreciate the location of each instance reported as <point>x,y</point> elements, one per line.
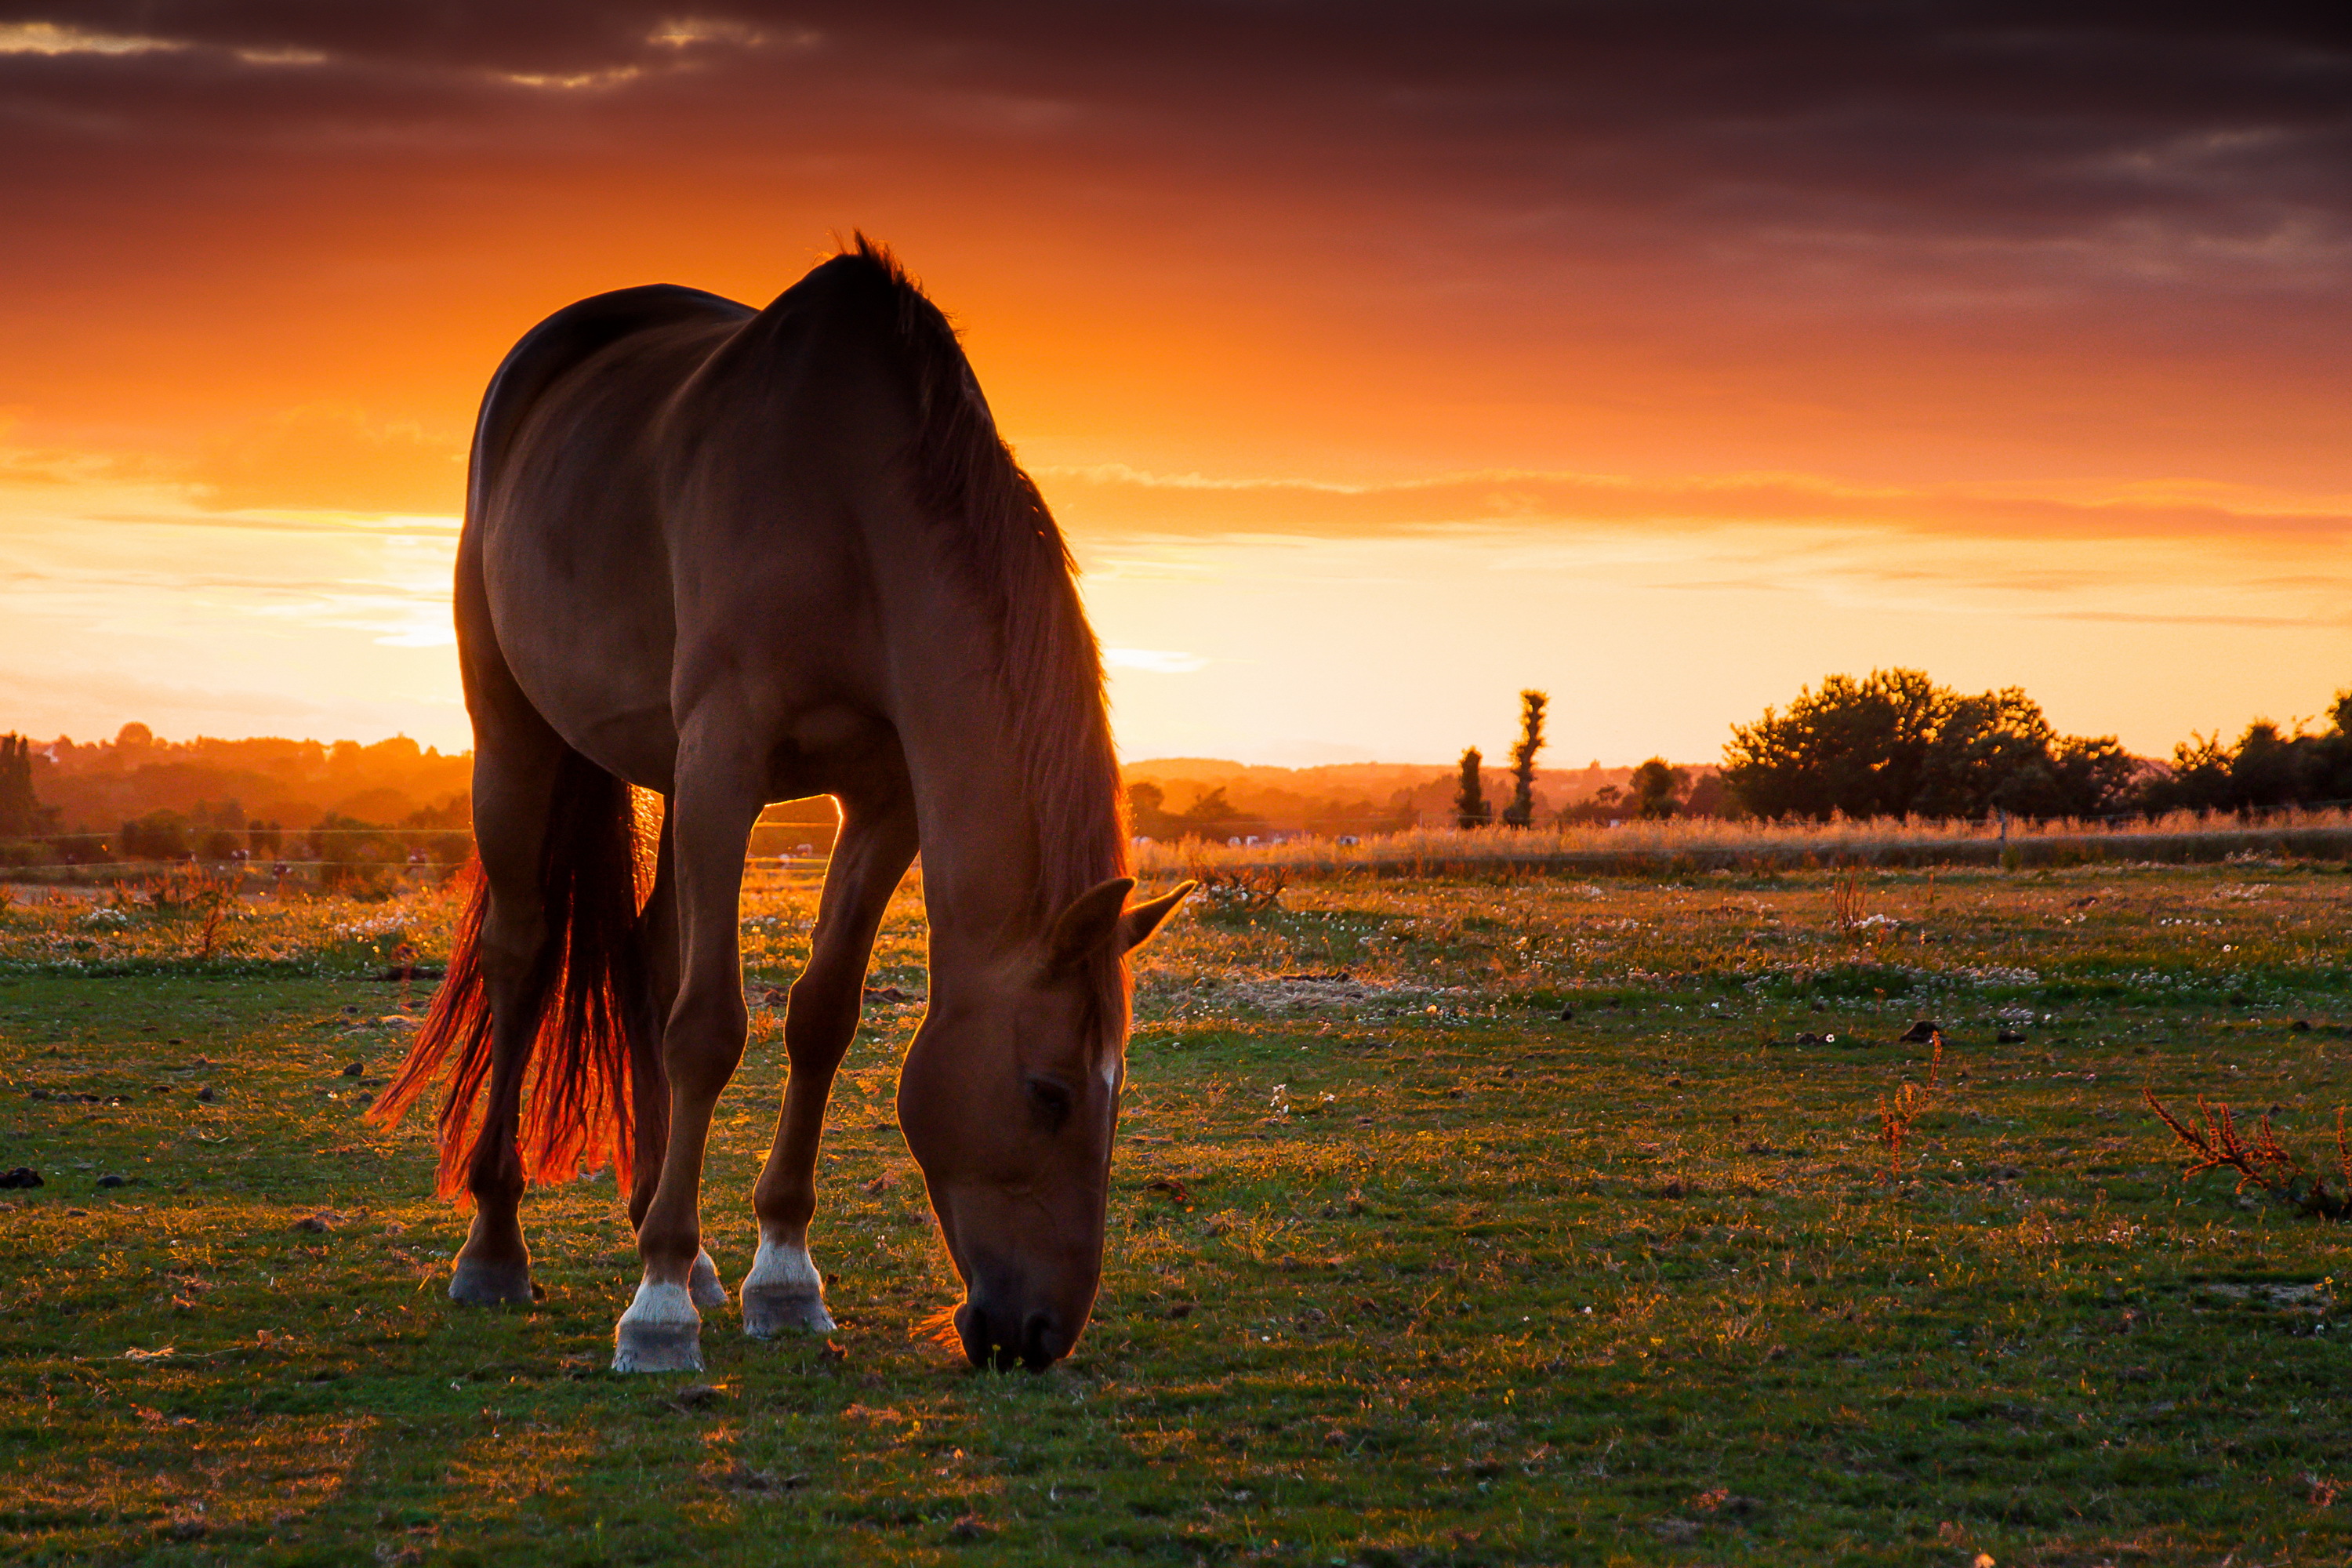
<point>973,800</point>
<point>989,837</point>
<point>981,861</point>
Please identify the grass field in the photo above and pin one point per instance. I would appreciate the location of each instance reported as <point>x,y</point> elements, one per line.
<point>1404,1266</point>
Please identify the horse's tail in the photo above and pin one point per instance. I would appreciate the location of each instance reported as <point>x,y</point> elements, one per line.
<point>589,999</point>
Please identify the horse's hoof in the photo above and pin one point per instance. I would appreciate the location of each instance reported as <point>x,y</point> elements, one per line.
<point>658,1347</point>
<point>771,1310</point>
<point>702,1285</point>
<point>479,1282</point>
<point>783,1292</point>
<point>661,1331</point>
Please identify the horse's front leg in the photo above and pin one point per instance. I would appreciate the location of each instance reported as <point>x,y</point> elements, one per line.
<point>649,1089</point>
<point>717,800</point>
<point>785,1289</point>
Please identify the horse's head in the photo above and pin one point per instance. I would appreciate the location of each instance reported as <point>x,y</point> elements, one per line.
<point>1007,1099</point>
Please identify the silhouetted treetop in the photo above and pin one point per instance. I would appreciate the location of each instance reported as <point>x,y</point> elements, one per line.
<point>1895,743</point>
<point>1471,807</point>
<point>1521,812</point>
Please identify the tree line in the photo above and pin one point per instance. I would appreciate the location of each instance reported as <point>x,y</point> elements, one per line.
<point>342,844</point>
<point>1897,744</point>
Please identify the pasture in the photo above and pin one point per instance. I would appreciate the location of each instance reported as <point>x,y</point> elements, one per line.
<point>1404,1266</point>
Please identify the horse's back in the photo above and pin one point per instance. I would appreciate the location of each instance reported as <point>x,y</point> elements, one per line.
<point>568,339</point>
<point>562,525</point>
<point>684,479</point>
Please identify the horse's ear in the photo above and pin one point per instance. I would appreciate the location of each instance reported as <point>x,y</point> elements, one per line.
<point>1135,926</point>
<point>1089,924</point>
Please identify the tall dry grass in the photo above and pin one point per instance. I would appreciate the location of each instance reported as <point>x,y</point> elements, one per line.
<point>1711,843</point>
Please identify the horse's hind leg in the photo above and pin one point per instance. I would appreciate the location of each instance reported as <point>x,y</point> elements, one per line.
<point>514,789</point>
<point>783,1290</point>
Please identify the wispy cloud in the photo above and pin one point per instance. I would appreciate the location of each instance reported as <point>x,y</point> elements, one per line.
<point>50,39</point>
<point>1108,501</point>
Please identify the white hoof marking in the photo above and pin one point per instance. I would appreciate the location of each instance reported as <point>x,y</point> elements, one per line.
<point>783,1291</point>
<point>661,1331</point>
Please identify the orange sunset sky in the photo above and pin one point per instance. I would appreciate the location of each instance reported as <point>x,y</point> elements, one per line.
<point>1380,360</point>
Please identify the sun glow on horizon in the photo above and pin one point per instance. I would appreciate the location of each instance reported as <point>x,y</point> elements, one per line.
<point>1667,402</point>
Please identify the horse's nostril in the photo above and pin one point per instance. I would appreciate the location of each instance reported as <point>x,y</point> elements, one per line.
<point>1042,1341</point>
<point>997,1333</point>
<point>986,1342</point>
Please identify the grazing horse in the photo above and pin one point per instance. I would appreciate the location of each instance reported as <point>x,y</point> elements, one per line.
<point>733,557</point>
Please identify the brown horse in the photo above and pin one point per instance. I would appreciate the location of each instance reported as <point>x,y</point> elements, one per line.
<point>733,557</point>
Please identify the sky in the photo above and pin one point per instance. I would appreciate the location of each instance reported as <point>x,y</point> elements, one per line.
<point>1380,360</point>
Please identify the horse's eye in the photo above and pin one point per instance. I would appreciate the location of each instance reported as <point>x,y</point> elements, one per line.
<point>1049,1103</point>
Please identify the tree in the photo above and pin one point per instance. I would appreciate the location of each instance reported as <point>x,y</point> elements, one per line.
<point>1209,817</point>
<point>1707,797</point>
<point>1470,805</point>
<point>2094,775</point>
<point>1895,743</point>
<point>158,836</point>
<point>1855,746</point>
<point>349,851</point>
<point>2199,779</point>
<point>2265,770</point>
<point>1147,812</point>
<point>1521,812</point>
<point>2262,772</point>
<point>1657,787</point>
<point>1606,804</point>
<point>21,814</point>
<point>1214,816</point>
<point>218,831</point>
<point>1989,751</point>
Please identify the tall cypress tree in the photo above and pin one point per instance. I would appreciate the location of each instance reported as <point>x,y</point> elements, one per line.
<point>1521,812</point>
<point>1470,805</point>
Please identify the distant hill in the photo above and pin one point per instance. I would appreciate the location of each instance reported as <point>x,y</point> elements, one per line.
<point>96,786</point>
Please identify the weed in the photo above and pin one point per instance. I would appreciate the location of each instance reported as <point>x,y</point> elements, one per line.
<point>1848,908</point>
<point>1910,1101</point>
<point>1242,890</point>
<point>2265,1163</point>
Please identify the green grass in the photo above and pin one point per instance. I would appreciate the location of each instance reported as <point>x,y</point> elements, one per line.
<point>1478,1285</point>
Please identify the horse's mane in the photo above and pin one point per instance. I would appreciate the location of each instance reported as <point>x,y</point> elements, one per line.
<point>1013,555</point>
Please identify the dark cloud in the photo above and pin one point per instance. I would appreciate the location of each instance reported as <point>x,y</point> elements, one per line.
<point>1771,125</point>
<point>1837,219</point>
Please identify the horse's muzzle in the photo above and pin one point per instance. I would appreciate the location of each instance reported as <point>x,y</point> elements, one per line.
<point>993,1339</point>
